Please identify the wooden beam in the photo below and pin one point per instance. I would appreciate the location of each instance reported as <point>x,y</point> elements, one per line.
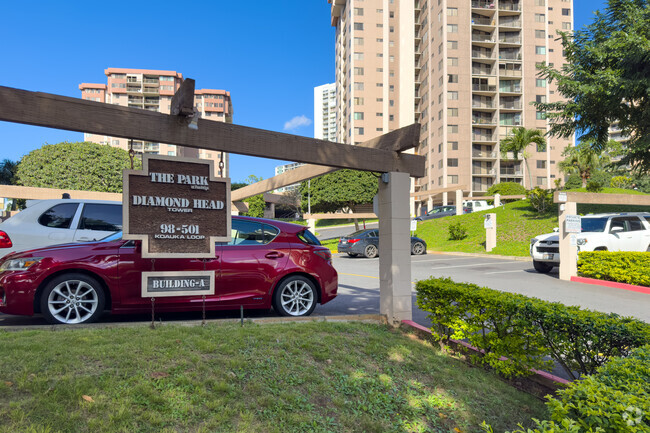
<point>438,191</point>
<point>183,100</point>
<point>74,114</point>
<point>397,140</point>
<point>339,216</point>
<point>600,198</point>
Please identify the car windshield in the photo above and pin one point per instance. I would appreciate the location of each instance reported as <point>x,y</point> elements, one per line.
<point>112,237</point>
<point>593,224</point>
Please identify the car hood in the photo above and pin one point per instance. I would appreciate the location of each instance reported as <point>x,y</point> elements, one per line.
<point>554,237</point>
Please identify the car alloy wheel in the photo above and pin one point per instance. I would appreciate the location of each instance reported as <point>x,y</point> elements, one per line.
<point>370,251</point>
<point>418,249</point>
<point>295,296</point>
<point>71,299</point>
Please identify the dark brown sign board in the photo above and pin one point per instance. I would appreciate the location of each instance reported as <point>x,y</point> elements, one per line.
<point>176,207</point>
<point>187,283</point>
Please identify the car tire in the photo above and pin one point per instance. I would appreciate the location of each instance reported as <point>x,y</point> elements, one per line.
<point>541,267</point>
<point>353,254</point>
<point>418,248</point>
<point>295,296</point>
<point>72,299</point>
<point>370,251</point>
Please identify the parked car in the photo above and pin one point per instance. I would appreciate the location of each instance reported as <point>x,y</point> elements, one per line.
<point>267,263</point>
<point>437,212</point>
<point>476,206</point>
<point>600,232</point>
<point>51,222</point>
<point>366,243</point>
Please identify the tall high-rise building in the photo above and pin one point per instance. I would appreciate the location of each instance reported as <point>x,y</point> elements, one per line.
<point>153,90</point>
<point>325,112</point>
<point>466,71</point>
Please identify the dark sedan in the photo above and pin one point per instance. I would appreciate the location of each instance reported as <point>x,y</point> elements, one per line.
<point>366,243</point>
<point>437,212</point>
<point>267,263</point>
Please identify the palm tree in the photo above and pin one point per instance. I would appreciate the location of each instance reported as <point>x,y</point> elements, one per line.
<point>582,159</point>
<point>518,141</point>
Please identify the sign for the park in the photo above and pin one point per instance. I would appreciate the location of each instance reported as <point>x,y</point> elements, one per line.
<point>176,207</point>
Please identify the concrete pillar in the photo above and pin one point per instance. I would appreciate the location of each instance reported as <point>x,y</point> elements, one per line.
<point>445,198</point>
<point>269,210</point>
<point>395,295</point>
<point>459,202</point>
<point>568,252</point>
<point>311,225</point>
<point>430,203</point>
<point>490,225</point>
<point>497,200</point>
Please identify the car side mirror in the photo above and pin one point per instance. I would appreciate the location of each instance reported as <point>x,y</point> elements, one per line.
<point>616,229</point>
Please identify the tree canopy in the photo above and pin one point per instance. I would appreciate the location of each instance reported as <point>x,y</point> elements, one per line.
<point>582,160</point>
<point>339,190</point>
<point>606,81</point>
<point>7,172</point>
<point>81,165</point>
<point>519,140</point>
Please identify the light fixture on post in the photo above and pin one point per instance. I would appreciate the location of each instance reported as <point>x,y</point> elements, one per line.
<point>194,123</point>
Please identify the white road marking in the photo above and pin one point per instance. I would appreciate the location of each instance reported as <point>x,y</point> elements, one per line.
<point>505,272</point>
<point>441,260</point>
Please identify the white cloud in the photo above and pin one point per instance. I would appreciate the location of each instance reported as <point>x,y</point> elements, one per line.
<point>297,122</point>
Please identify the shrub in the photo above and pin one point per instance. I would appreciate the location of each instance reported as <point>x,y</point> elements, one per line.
<point>615,399</point>
<point>540,199</point>
<point>457,231</point>
<point>620,182</point>
<point>573,181</point>
<point>594,186</point>
<point>525,329</point>
<point>619,266</point>
<point>507,188</point>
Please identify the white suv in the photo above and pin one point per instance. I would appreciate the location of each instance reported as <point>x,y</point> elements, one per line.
<point>50,222</point>
<point>600,232</point>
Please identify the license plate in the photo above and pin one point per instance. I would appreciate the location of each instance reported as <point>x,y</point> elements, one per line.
<point>548,256</point>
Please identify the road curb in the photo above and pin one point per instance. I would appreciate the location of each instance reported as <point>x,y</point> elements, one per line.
<point>613,284</point>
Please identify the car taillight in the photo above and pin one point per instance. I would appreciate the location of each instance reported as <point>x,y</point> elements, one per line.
<point>325,254</point>
<point>351,241</point>
<point>5,241</point>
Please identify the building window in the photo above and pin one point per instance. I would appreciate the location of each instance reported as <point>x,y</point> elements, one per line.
<point>541,148</point>
<point>452,129</point>
<point>541,180</point>
<point>541,164</point>
<point>358,41</point>
<point>358,71</point>
<point>358,12</point>
<point>452,78</point>
<point>358,131</point>
<point>452,145</point>
<point>452,61</point>
<point>566,12</point>
<point>452,112</point>
<point>391,102</point>
<point>452,95</point>
<point>452,162</point>
<point>358,101</point>
<point>452,12</point>
<point>539,49</point>
<point>379,84</point>
<point>379,114</point>
<point>358,26</point>
<point>540,34</point>
<point>540,18</point>
<point>391,88</point>
<point>566,26</point>
<point>357,56</point>
<point>358,115</point>
<point>358,86</point>
<point>452,45</point>
<point>391,117</point>
<point>540,2</point>
<point>540,115</point>
<point>540,99</point>
<point>540,82</point>
<point>452,28</point>
<point>452,179</point>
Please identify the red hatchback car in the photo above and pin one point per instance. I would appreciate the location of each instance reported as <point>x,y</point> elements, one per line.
<point>267,263</point>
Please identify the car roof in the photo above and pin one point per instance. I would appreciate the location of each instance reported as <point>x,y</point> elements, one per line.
<point>614,214</point>
<point>282,225</point>
<point>52,202</point>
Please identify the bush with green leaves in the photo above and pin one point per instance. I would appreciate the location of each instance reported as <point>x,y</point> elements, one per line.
<point>620,182</point>
<point>620,266</point>
<point>573,181</point>
<point>594,186</point>
<point>615,399</point>
<point>507,188</point>
<point>457,231</point>
<point>525,329</point>
<point>540,199</point>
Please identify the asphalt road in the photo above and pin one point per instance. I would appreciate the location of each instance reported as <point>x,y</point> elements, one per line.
<point>359,289</point>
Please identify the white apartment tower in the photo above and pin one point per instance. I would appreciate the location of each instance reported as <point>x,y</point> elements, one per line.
<point>325,112</point>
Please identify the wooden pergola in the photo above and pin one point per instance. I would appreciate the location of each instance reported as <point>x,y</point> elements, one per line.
<point>382,154</point>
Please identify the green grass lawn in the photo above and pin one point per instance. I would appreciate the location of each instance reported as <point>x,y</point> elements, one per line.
<point>517,223</point>
<point>300,377</point>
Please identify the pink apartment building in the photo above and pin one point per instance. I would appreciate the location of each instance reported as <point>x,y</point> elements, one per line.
<point>153,90</point>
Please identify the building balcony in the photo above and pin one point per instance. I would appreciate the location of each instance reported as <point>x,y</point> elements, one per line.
<point>483,137</point>
<point>484,154</point>
<point>131,89</point>
<point>509,56</point>
<point>486,105</point>
<point>151,90</point>
<point>510,105</point>
<point>509,40</point>
<point>151,81</point>
<point>480,171</point>
<point>476,21</point>
<point>514,24</point>
<point>509,73</point>
<point>483,4</point>
<point>509,6</point>
<point>133,80</point>
<point>483,38</point>
<point>483,71</point>
<point>484,88</point>
<point>483,55</point>
<point>483,121</point>
<point>508,171</point>
<point>510,89</point>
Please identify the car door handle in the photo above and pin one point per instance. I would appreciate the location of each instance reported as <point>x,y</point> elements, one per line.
<point>274,255</point>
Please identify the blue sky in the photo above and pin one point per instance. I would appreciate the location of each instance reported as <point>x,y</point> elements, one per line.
<point>268,54</point>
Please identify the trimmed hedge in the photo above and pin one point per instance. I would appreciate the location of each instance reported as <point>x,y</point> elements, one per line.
<point>620,266</point>
<point>526,330</point>
<point>615,399</point>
